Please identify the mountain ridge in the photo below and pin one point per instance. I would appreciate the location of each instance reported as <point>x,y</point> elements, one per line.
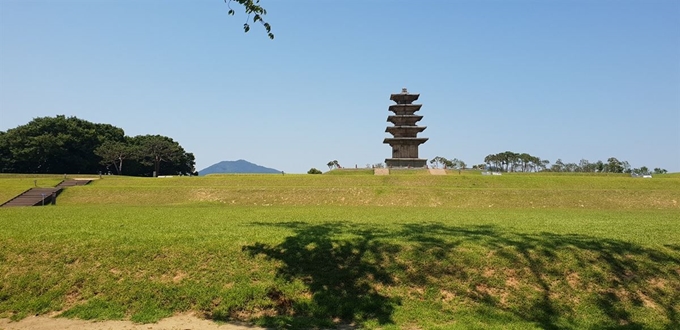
<point>236,166</point>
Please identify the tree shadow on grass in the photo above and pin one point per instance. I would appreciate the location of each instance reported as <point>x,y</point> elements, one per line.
<point>546,279</point>
<point>340,274</point>
<point>561,269</point>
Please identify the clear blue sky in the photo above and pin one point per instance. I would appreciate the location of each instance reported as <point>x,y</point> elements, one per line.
<point>556,79</point>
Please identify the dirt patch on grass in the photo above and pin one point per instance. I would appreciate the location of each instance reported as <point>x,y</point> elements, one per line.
<point>512,282</point>
<point>447,295</point>
<point>172,323</point>
<point>574,280</point>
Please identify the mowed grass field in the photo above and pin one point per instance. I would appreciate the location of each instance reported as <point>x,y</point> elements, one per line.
<point>408,250</point>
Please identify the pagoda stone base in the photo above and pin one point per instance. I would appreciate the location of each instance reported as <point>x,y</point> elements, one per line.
<point>406,162</point>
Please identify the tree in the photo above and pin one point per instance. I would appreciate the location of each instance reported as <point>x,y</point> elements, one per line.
<point>571,167</point>
<point>113,153</point>
<point>333,164</point>
<point>157,149</point>
<point>251,7</point>
<point>585,166</point>
<point>644,170</point>
<point>509,159</point>
<point>558,166</point>
<point>614,165</point>
<point>493,162</point>
<point>6,159</point>
<point>544,164</point>
<point>626,166</point>
<point>436,161</point>
<point>525,161</point>
<point>534,164</point>
<point>313,171</point>
<point>456,164</point>
<point>184,165</point>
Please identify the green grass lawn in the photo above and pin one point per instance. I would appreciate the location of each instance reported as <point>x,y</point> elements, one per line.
<point>399,251</point>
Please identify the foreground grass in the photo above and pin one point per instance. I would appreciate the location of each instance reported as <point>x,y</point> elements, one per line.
<point>312,266</point>
<point>401,251</point>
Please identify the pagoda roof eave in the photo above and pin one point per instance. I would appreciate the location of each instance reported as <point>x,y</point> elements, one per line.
<point>418,106</point>
<point>411,128</point>
<point>404,116</point>
<point>405,140</point>
<point>402,95</point>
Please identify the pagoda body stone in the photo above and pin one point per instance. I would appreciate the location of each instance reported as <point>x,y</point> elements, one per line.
<point>405,140</point>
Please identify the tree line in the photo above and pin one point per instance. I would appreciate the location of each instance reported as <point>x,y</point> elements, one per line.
<point>509,161</point>
<point>56,145</point>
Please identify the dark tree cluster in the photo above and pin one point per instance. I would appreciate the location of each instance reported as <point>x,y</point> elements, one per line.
<point>63,144</point>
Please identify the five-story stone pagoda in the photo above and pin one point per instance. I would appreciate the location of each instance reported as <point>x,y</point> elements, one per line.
<point>405,131</point>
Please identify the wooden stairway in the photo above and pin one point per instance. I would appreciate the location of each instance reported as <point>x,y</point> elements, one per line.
<point>42,196</point>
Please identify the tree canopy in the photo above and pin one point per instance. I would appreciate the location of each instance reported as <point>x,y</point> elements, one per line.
<point>71,145</point>
<point>157,150</point>
<point>55,145</point>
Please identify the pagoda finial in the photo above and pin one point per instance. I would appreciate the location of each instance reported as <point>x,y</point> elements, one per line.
<point>404,90</point>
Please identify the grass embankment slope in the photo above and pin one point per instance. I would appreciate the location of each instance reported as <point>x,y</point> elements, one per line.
<point>13,185</point>
<point>398,251</point>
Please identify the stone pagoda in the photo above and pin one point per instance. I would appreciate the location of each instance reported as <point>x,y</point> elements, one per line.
<point>405,131</point>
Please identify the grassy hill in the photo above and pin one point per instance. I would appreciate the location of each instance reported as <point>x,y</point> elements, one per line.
<point>399,251</point>
<point>453,191</point>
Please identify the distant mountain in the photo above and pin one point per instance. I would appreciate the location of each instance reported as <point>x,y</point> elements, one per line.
<point>238,166</point>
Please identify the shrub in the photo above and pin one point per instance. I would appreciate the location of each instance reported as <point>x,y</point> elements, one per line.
<point>313,171</point>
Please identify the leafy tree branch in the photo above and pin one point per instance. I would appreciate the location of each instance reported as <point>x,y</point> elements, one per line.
<point>251,8</point>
